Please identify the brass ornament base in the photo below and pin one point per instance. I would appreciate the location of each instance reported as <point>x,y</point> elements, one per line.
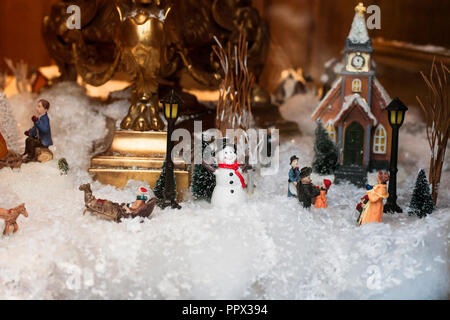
<point>137,155</point>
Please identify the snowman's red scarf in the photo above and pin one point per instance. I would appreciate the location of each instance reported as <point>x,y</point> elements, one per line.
<point>235,166</point>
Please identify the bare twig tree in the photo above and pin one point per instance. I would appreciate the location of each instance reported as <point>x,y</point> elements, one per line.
<point>20,71</point>
<point>234,105</point>
<point>437,116</point>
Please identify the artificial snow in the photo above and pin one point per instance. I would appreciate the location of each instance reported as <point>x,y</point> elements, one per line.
<point>429,48</point>
<point>267,248</point>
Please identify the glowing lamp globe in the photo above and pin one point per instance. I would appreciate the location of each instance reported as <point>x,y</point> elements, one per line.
<point>396,112</point>
<point>170,105</point>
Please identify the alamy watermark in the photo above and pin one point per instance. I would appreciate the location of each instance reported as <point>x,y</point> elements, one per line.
<point>373,282</point>
<point>374,20</point>
<point>74,20</point>
<point>255,147</point>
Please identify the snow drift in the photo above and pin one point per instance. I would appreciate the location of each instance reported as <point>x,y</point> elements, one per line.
<point>269,248</point>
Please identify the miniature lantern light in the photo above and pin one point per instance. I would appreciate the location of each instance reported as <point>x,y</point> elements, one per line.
<point>396,112</point>
<point>396,115</point>
<point>170,105</point>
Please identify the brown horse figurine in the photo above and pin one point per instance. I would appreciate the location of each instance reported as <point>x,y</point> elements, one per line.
<point>10,216</point>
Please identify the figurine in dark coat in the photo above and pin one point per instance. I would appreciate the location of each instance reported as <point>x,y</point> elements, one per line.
<point>40,134</point>
<point>294,176</point>
<point>305,189</point>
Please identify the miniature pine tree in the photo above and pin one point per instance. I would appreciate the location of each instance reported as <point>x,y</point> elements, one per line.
<point>203,181</point>
<point>421,201</point>
<point>160,184</point>
<point>63,166</point>
<point>326,155</point>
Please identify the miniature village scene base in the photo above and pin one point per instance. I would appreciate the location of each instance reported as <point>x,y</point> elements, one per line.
<point>268,248</point>
<point>95,205</point>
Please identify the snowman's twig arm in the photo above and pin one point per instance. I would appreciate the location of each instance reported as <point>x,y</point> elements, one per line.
<point>246,167</point>
<point>208,167</point>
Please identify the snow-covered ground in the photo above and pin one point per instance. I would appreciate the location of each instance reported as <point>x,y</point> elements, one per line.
<point>269,248</point>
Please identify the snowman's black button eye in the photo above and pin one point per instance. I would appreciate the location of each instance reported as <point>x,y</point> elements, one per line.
<point>231,174</point>
<point>231,182</point>
<point>232,191</point>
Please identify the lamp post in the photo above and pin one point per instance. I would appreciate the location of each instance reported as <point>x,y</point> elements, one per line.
<point>396,115</point>
<point>170,105</point>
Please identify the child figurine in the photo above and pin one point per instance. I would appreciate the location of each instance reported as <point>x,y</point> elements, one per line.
<point>40,135</point>
<point>321,200</point>
<point>372,205</point>
<point>294,176</point>
<point>305,189</point>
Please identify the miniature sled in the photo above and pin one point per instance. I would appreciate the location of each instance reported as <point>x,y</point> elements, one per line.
<point>112,211</point>
<point>12,160</point>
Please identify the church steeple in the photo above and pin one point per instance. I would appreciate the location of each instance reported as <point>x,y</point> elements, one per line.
<point>358,37</point>
<point>358,46</point>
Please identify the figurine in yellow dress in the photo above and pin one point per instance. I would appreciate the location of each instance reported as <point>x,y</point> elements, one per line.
<point>373,209</point>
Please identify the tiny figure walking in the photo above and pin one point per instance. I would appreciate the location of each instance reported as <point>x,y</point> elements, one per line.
<point>372,208</point>
<point>305,189</point>
<point>321,200</point>
<point>40,135</point>
<point>294,176</point>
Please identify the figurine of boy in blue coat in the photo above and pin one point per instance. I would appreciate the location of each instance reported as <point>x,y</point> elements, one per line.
<point>40,135</point>
<point>294,176</point>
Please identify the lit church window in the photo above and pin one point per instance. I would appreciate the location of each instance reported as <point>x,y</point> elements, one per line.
<point>331,131</point>
<point>356,85</point>
<point>379,140</point>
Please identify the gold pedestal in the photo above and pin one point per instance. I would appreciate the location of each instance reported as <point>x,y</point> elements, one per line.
<point>136,155</point>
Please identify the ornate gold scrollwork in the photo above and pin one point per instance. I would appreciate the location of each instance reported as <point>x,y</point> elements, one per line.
<point>151,40</point>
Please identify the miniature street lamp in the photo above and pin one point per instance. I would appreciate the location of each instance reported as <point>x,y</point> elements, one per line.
<point>396,115</point>
<point>170,105</point>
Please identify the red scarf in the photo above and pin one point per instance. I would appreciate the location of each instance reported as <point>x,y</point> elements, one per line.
<point>234,167</point>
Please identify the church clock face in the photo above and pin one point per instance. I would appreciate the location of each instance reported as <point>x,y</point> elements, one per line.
<point>358,61</point>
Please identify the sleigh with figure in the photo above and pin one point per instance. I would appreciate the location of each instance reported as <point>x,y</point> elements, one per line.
<point>112,211</point>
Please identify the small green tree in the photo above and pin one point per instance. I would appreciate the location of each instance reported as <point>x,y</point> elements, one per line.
<point>203,181</point>
<point>63,166</point>
<point>326,155</point>
<point>158,190</point>
<point>421,201</point>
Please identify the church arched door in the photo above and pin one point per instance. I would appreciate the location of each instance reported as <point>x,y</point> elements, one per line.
<point>354,144</point>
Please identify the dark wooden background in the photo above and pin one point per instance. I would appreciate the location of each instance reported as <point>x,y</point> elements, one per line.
<point>305,33</point>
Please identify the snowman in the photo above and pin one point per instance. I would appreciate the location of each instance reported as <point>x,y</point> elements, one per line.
<point>230,183</point>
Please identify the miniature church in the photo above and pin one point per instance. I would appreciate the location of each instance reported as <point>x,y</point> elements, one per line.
<point>353,110</point>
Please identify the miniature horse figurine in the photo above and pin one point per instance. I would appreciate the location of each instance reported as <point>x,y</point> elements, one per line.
<point>10,216</point>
